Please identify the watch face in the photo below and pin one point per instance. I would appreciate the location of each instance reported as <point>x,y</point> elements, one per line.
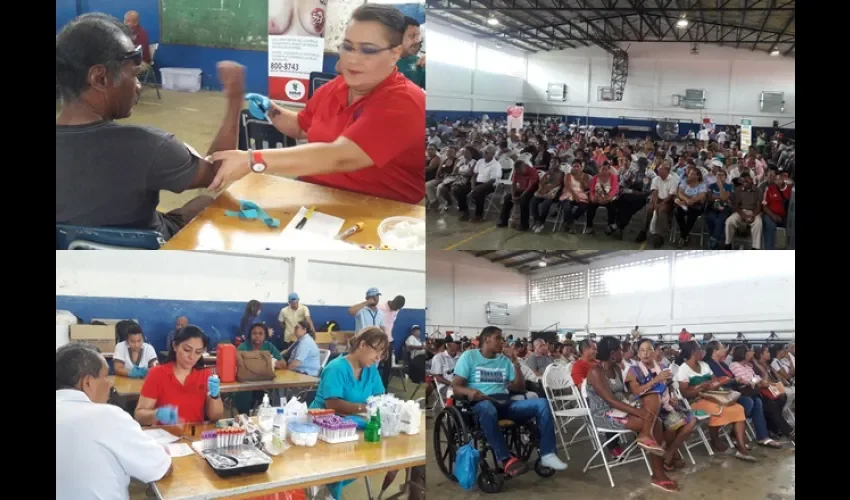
<point>258,167</point>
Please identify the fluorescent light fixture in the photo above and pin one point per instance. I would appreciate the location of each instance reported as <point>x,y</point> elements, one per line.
<point>774,53</point>
<point>542,263</point>
<point>681,23</point>
<point>492,21</point>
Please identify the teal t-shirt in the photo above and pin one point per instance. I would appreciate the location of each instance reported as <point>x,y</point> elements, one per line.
<point>338,382</point>
<point>490,376</point>
<point>414,73</point>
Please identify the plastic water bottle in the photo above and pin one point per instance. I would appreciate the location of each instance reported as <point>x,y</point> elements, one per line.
<point>265,415</point>
<point>279,426</point>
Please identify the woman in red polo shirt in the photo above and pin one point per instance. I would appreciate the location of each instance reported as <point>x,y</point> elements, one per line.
<point>181,390</point>
<point>366,127</point>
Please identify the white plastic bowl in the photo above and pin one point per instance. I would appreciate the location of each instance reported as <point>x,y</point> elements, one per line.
<point>402,233</point>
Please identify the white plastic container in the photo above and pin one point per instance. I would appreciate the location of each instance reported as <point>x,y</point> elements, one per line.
<point>402,233</point>
<point>303,434</point>
<point>181,79</point>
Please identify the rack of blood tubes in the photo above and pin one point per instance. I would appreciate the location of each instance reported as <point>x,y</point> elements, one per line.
<point>226,437</point>
<point>334,429</point>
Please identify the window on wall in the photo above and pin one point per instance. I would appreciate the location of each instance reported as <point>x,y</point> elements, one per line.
<point>700,268</point>
<point>494,61</point>
<point>450,50</point>
<point>564,287</point>
<point>633,277</point>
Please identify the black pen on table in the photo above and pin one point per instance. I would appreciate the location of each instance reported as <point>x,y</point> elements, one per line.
<point>304,219</point>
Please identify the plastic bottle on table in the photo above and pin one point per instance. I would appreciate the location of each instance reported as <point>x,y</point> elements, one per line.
<point>265,415</point>
<point>279,426</point>
<point>372,433</point>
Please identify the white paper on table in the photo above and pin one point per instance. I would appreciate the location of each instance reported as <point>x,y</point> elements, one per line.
<point>318,223</point>
<point>298,239</point>
<point>161,436</point>
<point>179,450</point>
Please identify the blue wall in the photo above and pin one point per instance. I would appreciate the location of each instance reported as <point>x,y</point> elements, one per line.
<point>219,320</point>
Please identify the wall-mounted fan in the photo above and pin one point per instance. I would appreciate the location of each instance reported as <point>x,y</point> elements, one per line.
<point>667,130</point>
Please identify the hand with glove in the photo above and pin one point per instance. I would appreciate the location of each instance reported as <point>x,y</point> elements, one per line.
<point>166,415</point>
<point>138,372</point>
<point>213,386</point>
<point>258,105</point>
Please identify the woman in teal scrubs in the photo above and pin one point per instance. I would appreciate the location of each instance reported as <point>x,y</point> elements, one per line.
<point>348,381</point>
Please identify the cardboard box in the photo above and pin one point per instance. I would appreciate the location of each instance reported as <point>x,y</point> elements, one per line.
<point>100,336</point>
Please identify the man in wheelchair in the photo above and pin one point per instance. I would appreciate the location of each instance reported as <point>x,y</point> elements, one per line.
<point>486,377</point>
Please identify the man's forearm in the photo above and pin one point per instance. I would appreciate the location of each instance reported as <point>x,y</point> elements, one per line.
<point>227,136</point>
<point>286,121</point>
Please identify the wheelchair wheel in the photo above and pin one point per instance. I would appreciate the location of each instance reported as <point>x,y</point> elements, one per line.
<point>541,470</point>
<point>449,434</point>
<point>491,481</point>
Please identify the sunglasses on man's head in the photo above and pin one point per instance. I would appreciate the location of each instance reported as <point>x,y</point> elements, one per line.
<point>134,55</point>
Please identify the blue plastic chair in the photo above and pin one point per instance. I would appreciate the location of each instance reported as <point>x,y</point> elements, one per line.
<point>70,237</point>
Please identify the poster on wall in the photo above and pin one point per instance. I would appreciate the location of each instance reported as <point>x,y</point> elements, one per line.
<point>746,134</point>
<point>296,47</point>
<point>515,116</point>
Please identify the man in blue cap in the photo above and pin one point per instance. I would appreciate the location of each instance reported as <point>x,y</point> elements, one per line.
<point>291,315</point>
<point>366,314</point>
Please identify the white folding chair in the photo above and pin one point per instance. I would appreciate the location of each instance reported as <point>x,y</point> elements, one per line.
<point>701,438</point>
<point>561,394</point>
<point>599,445</point>
<point>324,355</point>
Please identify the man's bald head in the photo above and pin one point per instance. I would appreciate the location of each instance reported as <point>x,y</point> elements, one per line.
<point>131,19</point>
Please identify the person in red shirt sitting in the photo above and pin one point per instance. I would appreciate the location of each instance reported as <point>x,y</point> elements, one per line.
<point>777,196</point>
<point>181,390</point>
<point>582,366</point>
<point>365,127</point>
<point>140,38</point>
<point>523,185</point>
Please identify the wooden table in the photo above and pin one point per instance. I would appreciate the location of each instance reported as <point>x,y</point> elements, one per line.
<point>126,386</point>
<point>297,468</point>
<point>282,198</point>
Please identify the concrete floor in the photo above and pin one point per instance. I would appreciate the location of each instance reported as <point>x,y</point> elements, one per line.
<point>453,234</point>
<point>724,477</point>
<point>356,490</point>
<point>484,235</point>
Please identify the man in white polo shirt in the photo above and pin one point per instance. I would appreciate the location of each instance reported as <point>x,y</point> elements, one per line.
<point>293,314</point>
<point>99,446</point>
<point>486,173</point>
<point>664,187</point>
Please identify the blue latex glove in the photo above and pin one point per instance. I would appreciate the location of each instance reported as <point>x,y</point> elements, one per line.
<point>167,415</point>
<point>258,105</point>
<point>213,386</point>
<point>138,372</point>
<point>358,420</point>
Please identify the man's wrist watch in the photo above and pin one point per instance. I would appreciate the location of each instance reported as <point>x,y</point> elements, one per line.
<point>258,164</point>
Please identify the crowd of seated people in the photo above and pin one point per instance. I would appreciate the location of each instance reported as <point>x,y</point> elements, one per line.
<point>553,164</point>
<point>655,389</point>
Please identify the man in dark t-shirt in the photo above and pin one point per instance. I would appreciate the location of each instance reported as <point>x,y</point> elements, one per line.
<point>110,175</point>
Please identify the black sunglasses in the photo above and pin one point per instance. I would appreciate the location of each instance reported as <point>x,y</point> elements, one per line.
<point>134,55</point>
